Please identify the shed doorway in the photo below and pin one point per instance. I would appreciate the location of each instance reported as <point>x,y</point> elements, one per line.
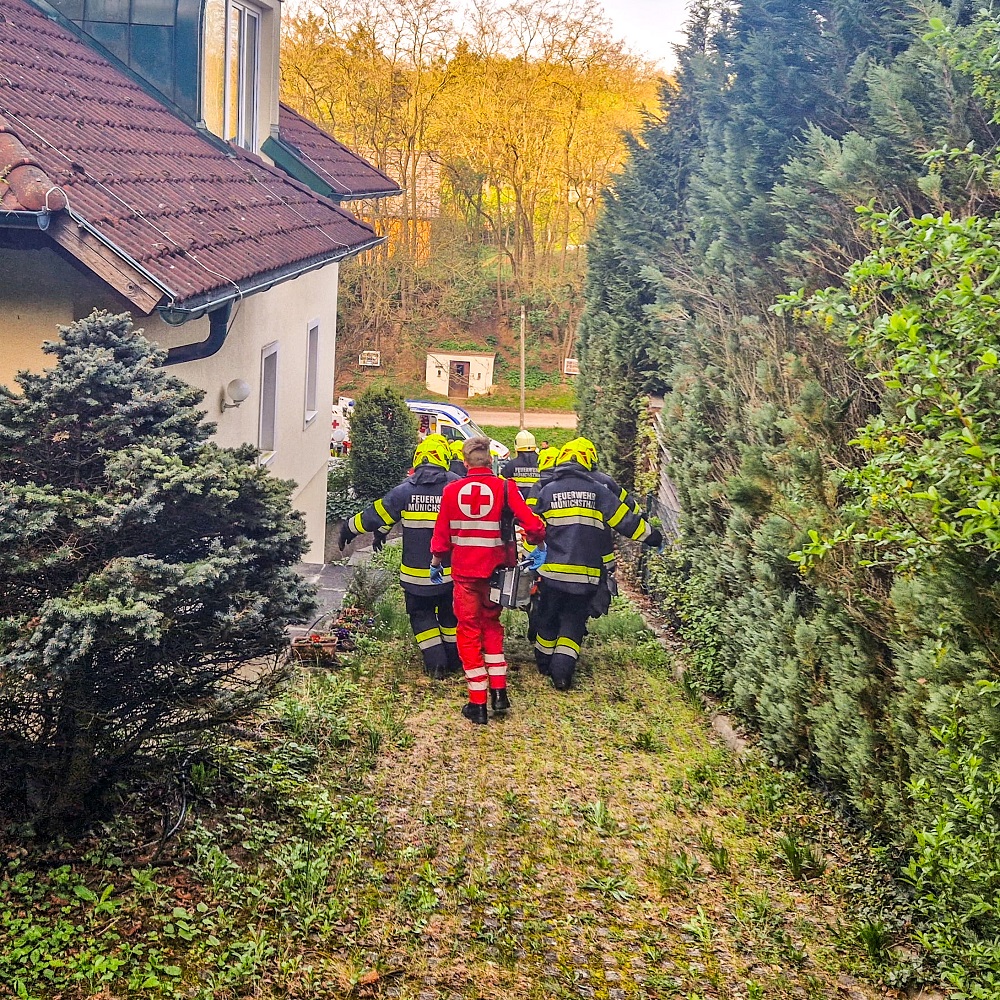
<point>458,378</point>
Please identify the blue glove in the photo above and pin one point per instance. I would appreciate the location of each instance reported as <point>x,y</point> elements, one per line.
<point>437,575</point>
<point>536,557</point>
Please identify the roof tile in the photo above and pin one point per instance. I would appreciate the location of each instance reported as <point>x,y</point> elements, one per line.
<point>198,217</point>
<point>348,174</point>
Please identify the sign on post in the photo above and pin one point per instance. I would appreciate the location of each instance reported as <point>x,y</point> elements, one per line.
<point>571,366</point>
<point>370,359</point>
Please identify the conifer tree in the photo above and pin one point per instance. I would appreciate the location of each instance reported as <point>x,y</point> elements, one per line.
<point>141,568</point>
<point>383,437</point>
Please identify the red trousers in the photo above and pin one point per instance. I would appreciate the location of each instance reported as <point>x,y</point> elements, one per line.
<point>480,638</point>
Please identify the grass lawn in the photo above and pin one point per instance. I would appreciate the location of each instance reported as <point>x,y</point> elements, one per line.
<point>361,839</point>
<point>556,436</point>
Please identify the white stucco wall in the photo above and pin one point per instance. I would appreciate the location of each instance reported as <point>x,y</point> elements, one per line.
<point>58,294</point>
<point>480,372</point>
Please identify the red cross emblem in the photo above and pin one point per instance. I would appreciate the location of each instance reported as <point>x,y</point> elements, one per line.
<point>475,500</point>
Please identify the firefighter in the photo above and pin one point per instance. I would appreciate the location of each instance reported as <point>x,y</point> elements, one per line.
<point>469,529</point>
<point>523,467</point>
<point>416,502</point>
<point>588,448</point>
<point>457,465</point>
<point>577,511</point>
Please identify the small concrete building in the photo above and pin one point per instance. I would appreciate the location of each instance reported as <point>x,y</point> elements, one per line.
<point>461,374</point>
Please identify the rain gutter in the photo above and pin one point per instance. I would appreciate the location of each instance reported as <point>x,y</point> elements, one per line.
<point>25,220</point>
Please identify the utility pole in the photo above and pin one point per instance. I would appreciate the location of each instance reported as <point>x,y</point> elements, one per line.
<point>522,367</point>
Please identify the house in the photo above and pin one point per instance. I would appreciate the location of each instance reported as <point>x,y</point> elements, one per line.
<point>460,374</point>
<point>146,165</point>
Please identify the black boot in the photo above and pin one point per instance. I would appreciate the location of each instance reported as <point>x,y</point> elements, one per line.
<point>475,713</point>
<point>435,672</point>
<point>499,699</point>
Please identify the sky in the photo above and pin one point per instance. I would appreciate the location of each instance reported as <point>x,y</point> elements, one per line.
<point>651,27</point>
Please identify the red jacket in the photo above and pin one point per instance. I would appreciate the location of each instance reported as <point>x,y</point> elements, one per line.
<point>468,525</point>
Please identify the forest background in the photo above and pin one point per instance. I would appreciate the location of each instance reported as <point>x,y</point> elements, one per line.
<point>503,126</point>
<point>801,256</point>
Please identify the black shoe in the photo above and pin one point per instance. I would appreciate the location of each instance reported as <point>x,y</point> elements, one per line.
<point>562,683</point>
<point>499,700</point>
<point>435,673</point>
<point>475,713</point>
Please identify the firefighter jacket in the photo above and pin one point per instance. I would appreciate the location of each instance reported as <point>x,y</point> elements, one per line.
<point>469,524</point>
<point>523,469</point>
<point>415,502</point>
<point>577,512</point>
<point>458,468</point>
<point>626,498</point>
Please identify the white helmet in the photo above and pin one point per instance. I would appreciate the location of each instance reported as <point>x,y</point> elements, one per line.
<point>525,441</point>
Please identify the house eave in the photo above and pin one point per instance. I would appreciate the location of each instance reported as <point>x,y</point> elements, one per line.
<point>179,312</point>
<point>20,219</point>
<point>289,160</point>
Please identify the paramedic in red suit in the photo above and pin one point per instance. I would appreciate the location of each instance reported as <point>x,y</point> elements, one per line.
<point>468,527</point>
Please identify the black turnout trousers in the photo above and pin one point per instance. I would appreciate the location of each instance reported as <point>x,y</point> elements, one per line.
<point>560,627</point>
<point>435,628</point>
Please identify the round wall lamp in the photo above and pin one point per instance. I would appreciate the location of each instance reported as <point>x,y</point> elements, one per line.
<point>237,391</point>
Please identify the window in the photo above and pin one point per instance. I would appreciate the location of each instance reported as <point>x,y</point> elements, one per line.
<point>268,438</point>
<point>312,371</point>
<point>231,59</point>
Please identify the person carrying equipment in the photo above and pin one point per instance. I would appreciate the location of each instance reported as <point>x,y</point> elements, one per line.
<point>577,512</point>
<point>469,528</point>
<point>457,466</point>
<point>416,502</point>
<point>523,467</point>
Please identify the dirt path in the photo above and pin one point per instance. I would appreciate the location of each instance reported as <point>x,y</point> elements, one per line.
<point>532,418</point>
<point>603,844</point>
<point>363,840</point>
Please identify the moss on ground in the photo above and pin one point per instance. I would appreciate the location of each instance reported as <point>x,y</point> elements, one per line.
<point>364,840</point>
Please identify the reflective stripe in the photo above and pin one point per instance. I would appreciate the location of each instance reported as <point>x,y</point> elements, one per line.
<point>482,543</point>
<point>429,637</point>
<point>616,518</point>
<point>418,520</point>
<point>383,513</point>
<point>419,515</point>
<point>588,571</point>
<point>489,658</point>
<point>498,670</point>
<point>420,576</point>
<point>591,522</point>
<point>478,685</point>
<point>449,634</point>
<point>356,526</point>
<point>545,645</point>
<point>531,501</point>
<point>561,512</point>
<point>609,558</point>
<point>567,646</point>
<point>475,525</point>
<point>578,575</point>
<point>642,532</point>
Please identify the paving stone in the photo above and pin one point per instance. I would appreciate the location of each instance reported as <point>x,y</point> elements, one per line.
<point>616,995</point>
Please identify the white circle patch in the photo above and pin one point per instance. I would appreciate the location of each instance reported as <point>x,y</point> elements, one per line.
<point>475,500</point>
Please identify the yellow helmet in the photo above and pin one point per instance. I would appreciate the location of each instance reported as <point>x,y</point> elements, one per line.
<point>577,451</point>
<point>429,451</point>
<point>590,447</point>
<point>455,447</point>
<point>547,458</point>
<point>524,441</point>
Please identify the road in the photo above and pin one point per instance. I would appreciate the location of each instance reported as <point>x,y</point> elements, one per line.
<point>532,418</point>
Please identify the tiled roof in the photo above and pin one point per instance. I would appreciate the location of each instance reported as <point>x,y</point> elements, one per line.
<point>200,219</point>
<point>349,175</point>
